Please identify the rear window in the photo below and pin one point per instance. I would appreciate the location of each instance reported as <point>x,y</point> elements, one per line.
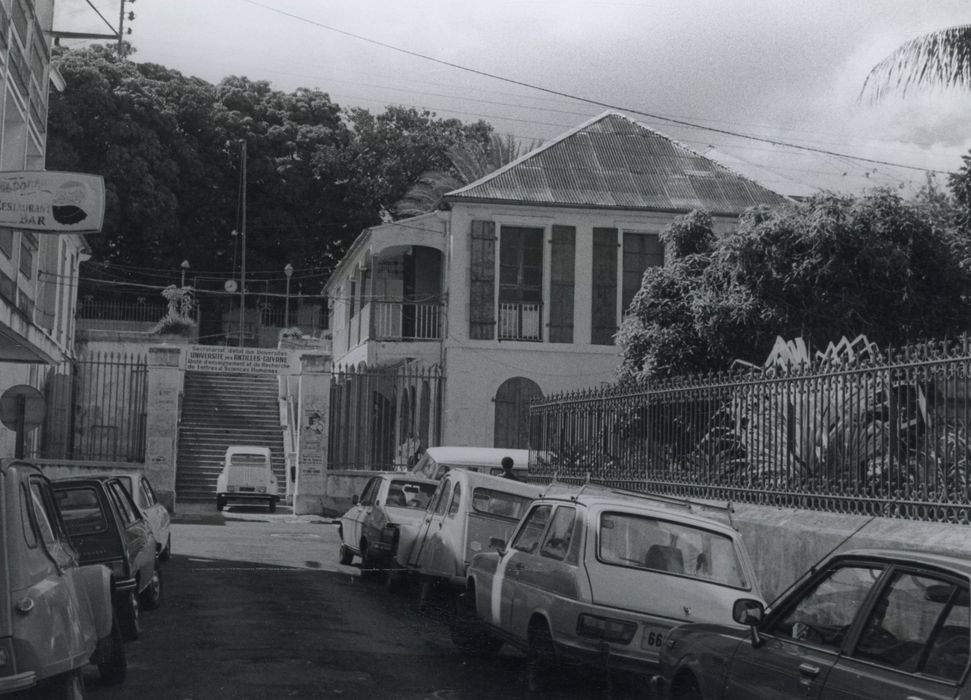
<point>410,494</point>
<point>81,511</point>
<point>245,460</point>
<point>504,505</point>
<point>640,542</point>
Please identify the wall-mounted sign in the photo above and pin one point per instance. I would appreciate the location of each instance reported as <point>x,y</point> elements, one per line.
<point>234,360</point>
<point>52,202</point>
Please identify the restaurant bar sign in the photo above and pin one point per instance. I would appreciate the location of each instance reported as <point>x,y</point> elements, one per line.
<point>230,360</point>
<point>52,202</point>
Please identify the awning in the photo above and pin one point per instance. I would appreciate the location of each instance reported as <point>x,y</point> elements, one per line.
<point>15,348</point>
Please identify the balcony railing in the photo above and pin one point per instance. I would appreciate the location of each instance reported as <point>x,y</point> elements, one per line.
<point>402,320</point>
<point>520,321</point>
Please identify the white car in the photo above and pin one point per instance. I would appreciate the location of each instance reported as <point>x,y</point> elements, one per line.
<point>247,476</point>
<point>155,513</point>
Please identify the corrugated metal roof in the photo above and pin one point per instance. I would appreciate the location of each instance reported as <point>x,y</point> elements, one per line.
<point>615,162</point>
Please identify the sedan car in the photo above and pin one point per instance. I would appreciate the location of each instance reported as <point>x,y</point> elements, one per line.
<point>869,624</point>
<point>601,576</point>
<point>106,527</point>
<point>384,521</point>
<point>155,513</point>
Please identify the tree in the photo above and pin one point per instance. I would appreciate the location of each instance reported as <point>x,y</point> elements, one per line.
<point>822,269</point>
<point>941,58</point>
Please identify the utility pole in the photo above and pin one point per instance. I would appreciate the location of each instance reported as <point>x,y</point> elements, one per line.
<point>242,235</point>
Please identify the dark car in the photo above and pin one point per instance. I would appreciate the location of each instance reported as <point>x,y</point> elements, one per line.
<point>869,624</point>
<point>106,527</point>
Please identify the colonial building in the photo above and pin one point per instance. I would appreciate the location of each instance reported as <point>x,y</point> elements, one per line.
<point>519,289</point>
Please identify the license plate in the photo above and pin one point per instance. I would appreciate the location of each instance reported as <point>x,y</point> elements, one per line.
<point>652,638</point>
<point>246,488</point>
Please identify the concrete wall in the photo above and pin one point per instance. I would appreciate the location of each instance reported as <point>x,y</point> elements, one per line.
<point>58,469</point>
<point>341,486</point>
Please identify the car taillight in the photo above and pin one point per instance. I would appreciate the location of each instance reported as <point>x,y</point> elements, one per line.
<point>391,535</point>
<point>262,489</point>
<point>606,628</point>
<point>7,666</point>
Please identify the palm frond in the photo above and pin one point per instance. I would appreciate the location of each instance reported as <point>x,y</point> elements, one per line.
<point>940,58</point>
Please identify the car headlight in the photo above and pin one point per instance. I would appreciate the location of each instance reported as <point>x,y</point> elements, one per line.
<point>605,628</point>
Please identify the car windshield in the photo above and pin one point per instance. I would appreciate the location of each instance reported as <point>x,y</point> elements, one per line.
<point>410,494</point>
<point>247,460</point>
<point>637,541</point>
<point>81,510</point>
<point>505,505</point>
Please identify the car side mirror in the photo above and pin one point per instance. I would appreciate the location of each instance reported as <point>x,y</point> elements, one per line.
<point>355,499</point>
<point>750,613</point>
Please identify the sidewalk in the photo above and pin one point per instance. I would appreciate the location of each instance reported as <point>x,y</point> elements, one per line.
<point>196,511</point>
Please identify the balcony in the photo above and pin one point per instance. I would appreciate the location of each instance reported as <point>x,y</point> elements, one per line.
<point>402,320</point>
<point>520,321</point>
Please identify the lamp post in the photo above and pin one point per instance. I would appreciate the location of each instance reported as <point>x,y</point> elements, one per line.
<point>184,266</point>
<point>288,271</point>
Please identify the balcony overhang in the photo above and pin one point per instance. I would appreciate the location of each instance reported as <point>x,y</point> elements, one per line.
<point>16,348</point>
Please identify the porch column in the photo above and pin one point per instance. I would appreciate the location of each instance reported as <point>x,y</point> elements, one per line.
<point>162,420</point>
<point>310,489</point>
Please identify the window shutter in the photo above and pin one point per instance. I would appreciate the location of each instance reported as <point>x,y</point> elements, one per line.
<point>482,281</point>
<point>604,296</point>
<point>562,283</point>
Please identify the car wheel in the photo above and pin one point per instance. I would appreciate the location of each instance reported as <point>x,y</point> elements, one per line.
<point>541,653</point>
<point>129,616</point>
<point>167,550</point>
<point>467,634</point>
<point>67,686</point>
<point>114,668</point>
<point>346,555</point>
<point>686,689</point>
<point>396,581</point>
<point>273,505</point>
<point>151,597</point>
<point>367,561</point>
<point>220,502</point>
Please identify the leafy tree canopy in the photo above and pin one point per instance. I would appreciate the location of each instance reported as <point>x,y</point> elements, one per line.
<point>822,269</point>
<point>169,146</point>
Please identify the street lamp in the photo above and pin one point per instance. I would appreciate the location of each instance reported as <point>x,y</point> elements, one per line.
<point>184,266</point>
<point>288,271</point>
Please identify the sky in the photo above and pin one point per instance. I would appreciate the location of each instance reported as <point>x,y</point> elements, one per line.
<point>781,71</point>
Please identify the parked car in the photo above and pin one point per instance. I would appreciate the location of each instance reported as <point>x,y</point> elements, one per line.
<point>865,624</point>
<point>436,461</point>
<point>246,476</point>
<point>602,576</point>
<point>155,513</point>
<point>43,589</point>
<point>384,520</point>
<point>467,510</point>
<point>106,527</point>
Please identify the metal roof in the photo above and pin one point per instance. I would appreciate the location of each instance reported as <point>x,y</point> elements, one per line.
<point>614,162</point>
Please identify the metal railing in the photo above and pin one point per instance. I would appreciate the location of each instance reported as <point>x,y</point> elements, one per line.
<point>886,435</point>
<point>402,320</point>
<point>520,321</point>
<point>140,310</point>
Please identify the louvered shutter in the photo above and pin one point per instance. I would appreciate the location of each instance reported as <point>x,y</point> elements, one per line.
<point>482,276</point>
<point>562,283</point>
<point>604,293</point>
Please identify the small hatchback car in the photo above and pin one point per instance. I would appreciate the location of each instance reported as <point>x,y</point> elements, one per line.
<point>602,576</point>
<point>155,513</point>
<point>247,476</point>
<point>106,527</point>
<point>864,624</point>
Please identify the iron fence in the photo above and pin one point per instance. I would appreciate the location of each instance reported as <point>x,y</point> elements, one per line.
<point>384,418</point>
<point>883,434</point>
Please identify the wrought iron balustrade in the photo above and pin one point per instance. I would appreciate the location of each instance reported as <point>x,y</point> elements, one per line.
<point>520,321</point>
<point>403,320</point>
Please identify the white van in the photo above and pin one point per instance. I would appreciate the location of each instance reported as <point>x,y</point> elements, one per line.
<point>247,475</point>
<point>488,460</point>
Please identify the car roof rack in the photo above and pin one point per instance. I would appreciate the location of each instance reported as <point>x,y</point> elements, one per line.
<point>576,490</point>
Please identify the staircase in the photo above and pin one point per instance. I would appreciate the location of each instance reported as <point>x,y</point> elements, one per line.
<point>219,410</point>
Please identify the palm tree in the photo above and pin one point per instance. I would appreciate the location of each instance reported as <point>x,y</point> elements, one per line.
<point>470,161</point>
<point>941,58</point>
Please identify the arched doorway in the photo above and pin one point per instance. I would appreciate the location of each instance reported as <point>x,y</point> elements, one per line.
<point>512,412</point>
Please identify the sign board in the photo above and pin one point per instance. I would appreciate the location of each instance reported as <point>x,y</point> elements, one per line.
<point>228,360</point>
<point>52,201</point>
<point>35,407</point>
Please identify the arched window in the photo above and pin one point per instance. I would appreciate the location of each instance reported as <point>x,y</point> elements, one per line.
<point>512,412</point>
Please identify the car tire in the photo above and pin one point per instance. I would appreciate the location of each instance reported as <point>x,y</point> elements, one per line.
<point>541,654</point>
<point>129,615</point>
<point>151,596</point>
<point>686,689</point>
<point>114,668</point>
<point>467,634</point>
<point>272,505</point>
<point>367,561</point>
<point>67,686</point>
<point>167,550</point>
<point>346,555</point>
<point>395,581</point>
<point>220,502</point>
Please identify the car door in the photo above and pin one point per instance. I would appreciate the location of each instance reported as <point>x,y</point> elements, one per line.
<point>372,515</point>
<point>430,536</point>
<point>138,537</point>
<point>509,599</point>
<point>914,643</point>
<point>803,638</point>
<point>351,522</point>
<point>154,512</point>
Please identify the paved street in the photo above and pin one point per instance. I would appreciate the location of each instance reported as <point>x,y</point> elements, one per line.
<point>256,606</point>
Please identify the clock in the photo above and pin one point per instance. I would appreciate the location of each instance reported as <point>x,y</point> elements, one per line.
<point>230,286</point>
